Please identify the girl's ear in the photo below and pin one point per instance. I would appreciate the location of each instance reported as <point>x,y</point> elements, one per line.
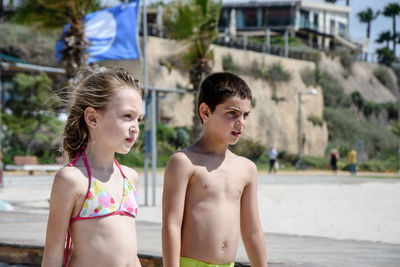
<point>204,111</point>
<point>91,116</point>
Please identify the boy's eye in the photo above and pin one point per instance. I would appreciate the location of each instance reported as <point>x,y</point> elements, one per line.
<point>128,116</point>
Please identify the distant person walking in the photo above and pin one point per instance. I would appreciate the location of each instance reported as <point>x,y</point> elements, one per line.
<point>272,154</point>
<point>352,158</point>
<point>334,159</point>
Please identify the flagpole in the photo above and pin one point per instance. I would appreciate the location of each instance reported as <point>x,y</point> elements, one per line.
<point>146,92</point>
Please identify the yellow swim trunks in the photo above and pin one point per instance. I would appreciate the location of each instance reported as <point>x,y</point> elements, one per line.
<point>187,262</point>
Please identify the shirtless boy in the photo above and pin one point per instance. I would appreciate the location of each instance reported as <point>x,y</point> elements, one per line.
<point>210,194</point>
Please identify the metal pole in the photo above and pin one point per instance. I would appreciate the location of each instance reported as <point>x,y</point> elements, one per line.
<point>145,77</point>
<point>300,139</point>
<point>153,143</point>
<point>268,40</point>
<point>286,37</point>
<point>1,132</point>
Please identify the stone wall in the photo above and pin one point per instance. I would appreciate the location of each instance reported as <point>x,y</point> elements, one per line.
<point>269,123</point>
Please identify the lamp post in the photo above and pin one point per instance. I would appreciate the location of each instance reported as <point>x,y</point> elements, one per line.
<point>299,163</point>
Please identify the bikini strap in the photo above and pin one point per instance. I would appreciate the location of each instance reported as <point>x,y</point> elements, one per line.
<point>77,157</point>
<point>119,167</point>
<point>87,164</point>
<point>67,248</point>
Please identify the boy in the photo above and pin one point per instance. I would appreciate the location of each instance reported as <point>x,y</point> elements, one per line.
<point>210,194</point>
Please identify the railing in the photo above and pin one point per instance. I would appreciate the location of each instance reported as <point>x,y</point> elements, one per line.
<point>277,50</point>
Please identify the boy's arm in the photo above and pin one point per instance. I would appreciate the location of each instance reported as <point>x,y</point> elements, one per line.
<point>62,200</point>
<point>176,178</point>
<point>252,233</point>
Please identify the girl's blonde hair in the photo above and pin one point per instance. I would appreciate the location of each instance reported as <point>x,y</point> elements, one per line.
<point>91,88</point>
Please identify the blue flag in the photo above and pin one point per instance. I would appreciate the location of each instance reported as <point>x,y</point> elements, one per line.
<point>112,33</point>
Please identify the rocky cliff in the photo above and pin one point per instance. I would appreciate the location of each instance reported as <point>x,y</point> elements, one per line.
<point>270,122</point>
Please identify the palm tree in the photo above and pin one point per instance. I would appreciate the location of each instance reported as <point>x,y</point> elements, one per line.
<point>392,10</point>
<point>367,16</point>
<point>50,14</point>
<point>195,22</point>
<point>384,37</point>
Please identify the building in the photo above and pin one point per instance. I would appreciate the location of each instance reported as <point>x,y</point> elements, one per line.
<point>320,25</point>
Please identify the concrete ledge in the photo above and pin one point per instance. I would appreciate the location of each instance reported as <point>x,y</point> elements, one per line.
<point>32,256</point>
<point>21,254</point>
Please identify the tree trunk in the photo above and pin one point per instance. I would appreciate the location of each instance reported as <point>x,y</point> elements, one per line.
<point>394,35</point>
<point>368,35</point>
<point>74,54</point>
<point>200,69</point>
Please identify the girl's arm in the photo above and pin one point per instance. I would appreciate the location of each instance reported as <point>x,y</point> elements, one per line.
<point>250,225</point>
<point>62,200</point>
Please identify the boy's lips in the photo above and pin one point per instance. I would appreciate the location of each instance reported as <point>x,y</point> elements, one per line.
<point>236,133</point>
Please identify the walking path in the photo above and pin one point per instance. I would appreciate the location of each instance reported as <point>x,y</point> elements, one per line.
<point>310,219</point>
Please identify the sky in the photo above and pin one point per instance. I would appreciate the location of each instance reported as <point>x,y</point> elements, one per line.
<point>357,31</point>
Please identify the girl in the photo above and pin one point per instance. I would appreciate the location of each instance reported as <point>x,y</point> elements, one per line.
<point>93,200</point>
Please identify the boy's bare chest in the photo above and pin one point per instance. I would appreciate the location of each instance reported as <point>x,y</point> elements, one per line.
<point>224,182</point>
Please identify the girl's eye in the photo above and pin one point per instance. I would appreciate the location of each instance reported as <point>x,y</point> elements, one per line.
<point>128,116</point>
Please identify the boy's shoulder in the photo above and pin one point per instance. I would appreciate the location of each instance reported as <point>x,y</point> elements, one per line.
<point>243,161</point>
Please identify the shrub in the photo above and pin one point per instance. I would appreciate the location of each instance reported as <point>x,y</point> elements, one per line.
<point>346,59</point>
<point>316,162</point>
<point>345,130</point>
<point>315,120</point>
<point>277,73</point>
<point>383,75</point>
<point>228,64</point>
<point>249,149</point>
<point>333,93</point>
<point>385,56</point>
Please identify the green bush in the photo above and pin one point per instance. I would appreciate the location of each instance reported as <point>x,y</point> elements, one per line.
<point>277,73</point>
<point>347,59</point>
<point>333,93</point>
<point>385,56</point>
<point>315,120</point>
<point>345,130</point>
<point>249,149</point>
<point>228,64</point>
<point>383,75</point>
<point>316,162</point>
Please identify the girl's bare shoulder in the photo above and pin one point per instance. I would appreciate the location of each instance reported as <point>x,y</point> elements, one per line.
<point>70,177</point>
<point>130,174</point>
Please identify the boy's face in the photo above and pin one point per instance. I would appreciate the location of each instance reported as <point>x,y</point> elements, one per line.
<point>229,119</point>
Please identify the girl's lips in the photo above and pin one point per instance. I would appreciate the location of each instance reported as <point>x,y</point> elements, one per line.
<point>130,140</point>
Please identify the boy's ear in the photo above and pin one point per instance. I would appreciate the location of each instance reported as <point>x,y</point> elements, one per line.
<point>204,111</point>
<point>91,116</point>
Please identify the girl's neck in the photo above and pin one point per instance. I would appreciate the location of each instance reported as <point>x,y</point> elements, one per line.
<point>99,158</point>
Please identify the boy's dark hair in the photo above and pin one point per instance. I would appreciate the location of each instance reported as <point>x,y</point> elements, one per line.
<point>219,86</point>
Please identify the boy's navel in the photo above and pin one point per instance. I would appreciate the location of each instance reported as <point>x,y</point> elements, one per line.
<point>224,245</point>
<point>206,186</point>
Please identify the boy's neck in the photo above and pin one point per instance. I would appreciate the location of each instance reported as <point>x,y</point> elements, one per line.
<point>209,145</point>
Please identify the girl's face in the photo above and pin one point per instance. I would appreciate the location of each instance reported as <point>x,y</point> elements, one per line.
<point>118,125</point>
